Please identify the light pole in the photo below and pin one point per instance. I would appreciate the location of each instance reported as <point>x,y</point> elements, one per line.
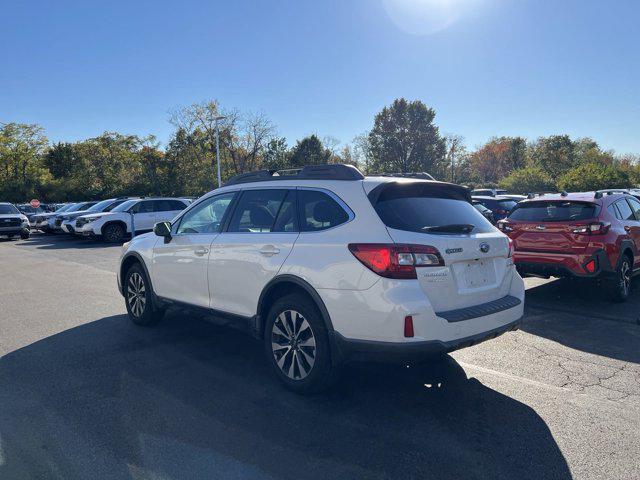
<point>217,119</point>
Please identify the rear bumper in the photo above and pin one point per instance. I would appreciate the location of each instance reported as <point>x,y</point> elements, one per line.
<point>399,352</point>
<point>561,265</point>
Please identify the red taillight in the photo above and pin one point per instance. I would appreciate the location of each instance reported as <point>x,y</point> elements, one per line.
<point>396,260</point>
<point>590,266</point>
<point>597,228</point>
<point>408,326</point>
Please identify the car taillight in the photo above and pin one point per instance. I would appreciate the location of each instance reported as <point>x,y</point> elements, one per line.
<point>504,226</point>
<point>597,228</point>
<point>590,266</point>
<point>511,248</point>
<point>392,260</point>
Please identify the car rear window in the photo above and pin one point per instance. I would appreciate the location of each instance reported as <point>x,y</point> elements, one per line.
<point>417,208</point>
<point>507,204</point>
<point>554,211</point>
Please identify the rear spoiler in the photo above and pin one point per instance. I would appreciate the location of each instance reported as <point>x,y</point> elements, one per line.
<point>402,189</point>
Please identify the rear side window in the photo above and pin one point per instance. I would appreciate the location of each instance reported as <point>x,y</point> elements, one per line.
<point>635,206</point>
<point>554,211</point>
<point>318,211</point>
<point>257,211</point>
<point>427,209</point>
<point>625,210</point>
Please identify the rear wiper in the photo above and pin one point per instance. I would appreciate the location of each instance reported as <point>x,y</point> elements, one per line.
<point>452,228</point>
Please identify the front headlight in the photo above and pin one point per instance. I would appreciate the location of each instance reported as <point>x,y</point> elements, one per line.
<point>92,219</point>
<point>24,219</point>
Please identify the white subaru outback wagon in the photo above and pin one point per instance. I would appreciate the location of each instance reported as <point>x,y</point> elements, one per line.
<point>327,265</point>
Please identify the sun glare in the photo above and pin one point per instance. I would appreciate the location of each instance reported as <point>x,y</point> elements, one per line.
<point>424,17</point>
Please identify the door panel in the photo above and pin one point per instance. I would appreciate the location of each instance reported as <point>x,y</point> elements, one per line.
<point>180,265</point>
<point>632,226</point>
<point>241,265</point>
<point>260,236</point>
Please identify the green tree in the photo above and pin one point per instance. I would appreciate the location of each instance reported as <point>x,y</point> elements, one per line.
<point>554,154</point>
<point>277,155</point>
<point>527,180</point>
<point>22,170</point>
<point>594,176</point>
<point>309,151</point>
<point>405,139</point>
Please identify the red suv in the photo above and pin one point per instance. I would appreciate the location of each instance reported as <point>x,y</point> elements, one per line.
<point>588,234</point>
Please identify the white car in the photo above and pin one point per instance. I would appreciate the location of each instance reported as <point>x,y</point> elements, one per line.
<point>328,265</point>
<point>115,225</point>
<point>69,219</point>
<point>13,223</point>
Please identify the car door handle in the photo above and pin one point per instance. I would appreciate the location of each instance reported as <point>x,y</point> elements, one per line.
<point>269,250</point>
<point>201,251</point>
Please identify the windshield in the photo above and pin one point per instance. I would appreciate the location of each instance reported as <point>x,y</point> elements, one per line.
<point>100,206</point>
<point>554,211</point>
<point>77,207</point>
<point>123,207</point>
<point>64,208</point>
<point>8,210</point>
<point>29,209</point>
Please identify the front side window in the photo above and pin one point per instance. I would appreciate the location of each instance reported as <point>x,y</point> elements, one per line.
<point>207,217</point>
<point>318,211</point>
<point>258,210</point>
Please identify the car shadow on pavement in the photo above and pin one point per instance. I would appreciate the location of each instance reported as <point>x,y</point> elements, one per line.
<point>189,399</point>
<point>63,241</point>
<point>578,315</point>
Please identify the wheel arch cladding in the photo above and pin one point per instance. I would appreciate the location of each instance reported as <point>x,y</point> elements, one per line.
<point>127,262</point>
<point>284,285</point>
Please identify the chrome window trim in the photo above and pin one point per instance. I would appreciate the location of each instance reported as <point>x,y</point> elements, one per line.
<point>338,200</point>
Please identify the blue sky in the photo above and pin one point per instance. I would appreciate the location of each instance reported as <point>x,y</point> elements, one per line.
<point>488,67</point>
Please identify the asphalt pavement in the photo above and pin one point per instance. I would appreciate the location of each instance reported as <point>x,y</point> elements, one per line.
<point>86,394</point>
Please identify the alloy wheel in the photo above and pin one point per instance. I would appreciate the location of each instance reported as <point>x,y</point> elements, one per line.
<point>625,277</point>
<point>136,294</point>
<point>293,344</point>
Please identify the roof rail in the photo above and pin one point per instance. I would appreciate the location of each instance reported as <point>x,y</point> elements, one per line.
<point>609,191</point>
<point>422,175</point>
<point>335,171</point>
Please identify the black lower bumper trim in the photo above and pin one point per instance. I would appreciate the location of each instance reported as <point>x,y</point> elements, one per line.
<point>398,352</point>
<point>489,308</point>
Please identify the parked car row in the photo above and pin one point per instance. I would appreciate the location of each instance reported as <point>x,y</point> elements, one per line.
<point>111,220</point>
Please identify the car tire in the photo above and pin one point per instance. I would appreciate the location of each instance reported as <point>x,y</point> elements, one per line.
<point>619,285</point>
<point>296,344</point>
<point>25,235</point>
<point>113,233</point>
<point>139,299</point>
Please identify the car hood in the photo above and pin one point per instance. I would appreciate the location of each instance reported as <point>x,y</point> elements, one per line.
<point>94,215</point>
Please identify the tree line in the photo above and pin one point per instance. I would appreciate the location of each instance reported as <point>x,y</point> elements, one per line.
<point>404,138</point>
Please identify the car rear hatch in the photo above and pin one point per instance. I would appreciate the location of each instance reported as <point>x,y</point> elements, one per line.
<point>440,215</point>
<point>551,226</point>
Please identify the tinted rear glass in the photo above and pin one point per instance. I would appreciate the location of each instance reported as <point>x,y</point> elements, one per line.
<point>507,204</point>
<point>416,210</point>
<point>557,211</point>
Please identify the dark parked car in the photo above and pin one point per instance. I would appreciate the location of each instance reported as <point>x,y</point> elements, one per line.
<point>592,235</point>
<point>499,206</point>
<point>488,214</point>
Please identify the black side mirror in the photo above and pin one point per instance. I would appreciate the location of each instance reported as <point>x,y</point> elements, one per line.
<point>163,229</point>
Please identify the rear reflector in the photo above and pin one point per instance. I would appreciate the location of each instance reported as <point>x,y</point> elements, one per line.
<point>393,260</point>
<point>590,266</point>
<point>408,326</point>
